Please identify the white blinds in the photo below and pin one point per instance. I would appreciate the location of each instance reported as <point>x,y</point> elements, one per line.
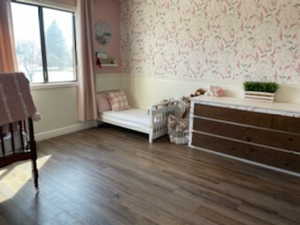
<point>59,4</point>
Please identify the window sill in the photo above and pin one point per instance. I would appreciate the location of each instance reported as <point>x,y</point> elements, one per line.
<point>53,85</point>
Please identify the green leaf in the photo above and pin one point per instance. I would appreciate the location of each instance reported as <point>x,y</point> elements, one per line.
<point>270,87</point>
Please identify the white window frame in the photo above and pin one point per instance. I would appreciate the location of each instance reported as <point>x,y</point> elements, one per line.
<point>43,4</point>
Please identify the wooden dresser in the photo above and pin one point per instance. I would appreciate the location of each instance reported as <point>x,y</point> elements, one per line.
<point>267,134</point>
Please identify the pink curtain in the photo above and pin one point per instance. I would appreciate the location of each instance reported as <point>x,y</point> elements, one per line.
<point>8,62</point>
<point>86,76</point>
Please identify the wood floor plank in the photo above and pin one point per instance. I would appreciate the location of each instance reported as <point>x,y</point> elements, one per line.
<point>112,176</point>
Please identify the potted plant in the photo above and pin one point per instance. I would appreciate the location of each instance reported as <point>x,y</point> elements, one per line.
<point>264,91</point>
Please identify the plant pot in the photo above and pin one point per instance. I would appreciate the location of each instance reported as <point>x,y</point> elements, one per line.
<point>260,96</point>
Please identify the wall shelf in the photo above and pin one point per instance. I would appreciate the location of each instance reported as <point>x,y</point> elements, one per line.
<point>109,65</point>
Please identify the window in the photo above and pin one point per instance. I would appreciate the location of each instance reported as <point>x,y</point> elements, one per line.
<point>45,43</point>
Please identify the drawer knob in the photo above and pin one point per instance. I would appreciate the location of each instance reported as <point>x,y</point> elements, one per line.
<point>248,139</point>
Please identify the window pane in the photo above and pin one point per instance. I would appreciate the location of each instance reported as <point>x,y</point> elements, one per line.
<point>59,45</point>
<point>28,42</point>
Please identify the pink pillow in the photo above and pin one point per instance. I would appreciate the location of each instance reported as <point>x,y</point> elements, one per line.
<point>118,101</point>
<point>103,102</point>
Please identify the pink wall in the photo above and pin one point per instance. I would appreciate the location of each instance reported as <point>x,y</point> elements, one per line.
<point>109,11</point>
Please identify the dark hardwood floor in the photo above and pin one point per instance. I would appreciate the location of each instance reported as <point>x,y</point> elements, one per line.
<point>111,176</point>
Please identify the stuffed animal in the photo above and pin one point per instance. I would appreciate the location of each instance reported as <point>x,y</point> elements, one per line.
<point>215,91</point>
<point>198,92</point>
<point>178,122</point>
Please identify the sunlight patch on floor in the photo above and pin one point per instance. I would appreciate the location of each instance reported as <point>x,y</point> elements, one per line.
<point>2,172</point>
<point>14,177</point>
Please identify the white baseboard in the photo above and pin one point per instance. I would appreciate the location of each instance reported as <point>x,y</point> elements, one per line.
<point>64,130</point>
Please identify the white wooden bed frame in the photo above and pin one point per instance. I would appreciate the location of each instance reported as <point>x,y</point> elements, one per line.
<point>158,126</point>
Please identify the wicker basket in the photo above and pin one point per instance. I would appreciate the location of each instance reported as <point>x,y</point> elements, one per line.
<point>261,96</point>
<point>179,140</point>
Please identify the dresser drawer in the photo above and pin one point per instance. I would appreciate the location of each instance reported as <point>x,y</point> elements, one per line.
<point>283,160</point>
<point>234,115</point>
<point>285,123</point>
<point>288,141</point>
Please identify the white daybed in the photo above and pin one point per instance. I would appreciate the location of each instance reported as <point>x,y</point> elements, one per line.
<point>153,122</point>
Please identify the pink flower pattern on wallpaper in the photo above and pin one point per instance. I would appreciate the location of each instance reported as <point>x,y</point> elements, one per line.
<point>212,39</point>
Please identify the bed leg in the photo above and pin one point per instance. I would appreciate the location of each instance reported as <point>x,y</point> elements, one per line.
<point>32,145</point>
<point>35,171</point>
<point>35,174</point>
<point>150,138</point>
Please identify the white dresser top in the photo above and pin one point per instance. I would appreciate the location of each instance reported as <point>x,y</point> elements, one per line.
<point>284,109</point>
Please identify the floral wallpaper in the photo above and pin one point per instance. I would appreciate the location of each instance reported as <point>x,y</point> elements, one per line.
<point>212,39</point>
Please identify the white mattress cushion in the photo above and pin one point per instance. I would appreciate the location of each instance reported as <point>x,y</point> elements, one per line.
<point>136,116</point>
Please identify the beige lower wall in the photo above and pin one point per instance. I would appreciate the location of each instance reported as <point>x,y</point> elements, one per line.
<point>109,81</point>
<point>57,106</point>
<point>146,90</point>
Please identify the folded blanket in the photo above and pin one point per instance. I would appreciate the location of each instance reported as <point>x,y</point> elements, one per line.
<point>16,102</point>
